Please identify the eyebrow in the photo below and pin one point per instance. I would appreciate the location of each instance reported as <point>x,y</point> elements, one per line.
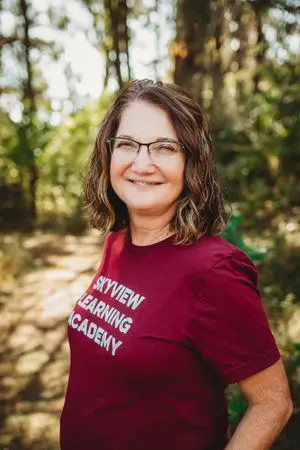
<point>126,136</point>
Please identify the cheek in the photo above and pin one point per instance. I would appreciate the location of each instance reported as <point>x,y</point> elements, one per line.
<point>116,170</point>
<point>176,176</point>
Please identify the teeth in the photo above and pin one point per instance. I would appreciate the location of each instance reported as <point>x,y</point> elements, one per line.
<point>142,183</point>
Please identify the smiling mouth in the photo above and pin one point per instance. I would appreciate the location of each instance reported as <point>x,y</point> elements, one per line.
<point>145,183</point>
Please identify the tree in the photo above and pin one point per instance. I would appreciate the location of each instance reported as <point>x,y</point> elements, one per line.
<point>23,92</point>
<point>28,100</point>
<point>192,25</point>
<point>24,98</point>
<point>112,37</point>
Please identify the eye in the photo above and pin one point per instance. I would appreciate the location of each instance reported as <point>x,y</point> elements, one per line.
<point>124,144</point>
<point>164,147</point>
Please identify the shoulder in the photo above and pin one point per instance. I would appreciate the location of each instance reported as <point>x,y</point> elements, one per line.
<point>211,252</point>
<point>114,242</point>
<point>228,273</point>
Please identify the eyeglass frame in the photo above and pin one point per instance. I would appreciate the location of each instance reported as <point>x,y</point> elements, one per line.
<point>170,141</point>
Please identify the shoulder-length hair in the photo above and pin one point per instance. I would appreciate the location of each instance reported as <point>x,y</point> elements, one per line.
<point>200,208</point>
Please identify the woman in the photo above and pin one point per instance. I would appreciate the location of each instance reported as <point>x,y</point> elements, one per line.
<point>173,314</point>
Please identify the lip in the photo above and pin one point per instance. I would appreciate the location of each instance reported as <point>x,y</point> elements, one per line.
<point>144,183</point>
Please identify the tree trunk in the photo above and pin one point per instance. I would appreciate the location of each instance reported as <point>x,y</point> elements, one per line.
<point>241,17</point>
<point>157,39</point>
<point>217,70</point>
<point>113,36</point>
<point>114,29</point>
<point>124,33</point>
<point>259,9</point>
<point>193,19</point>
<point>29,112</point>
<point>117,12</point>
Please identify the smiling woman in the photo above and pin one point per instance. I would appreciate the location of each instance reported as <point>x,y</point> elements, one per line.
<point>176,153</point>
<point>173,313</point>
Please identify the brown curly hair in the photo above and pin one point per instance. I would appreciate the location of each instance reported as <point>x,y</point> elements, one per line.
<point>200,208</point>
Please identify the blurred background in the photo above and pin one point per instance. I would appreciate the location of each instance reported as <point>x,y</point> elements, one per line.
<point>62,62</point>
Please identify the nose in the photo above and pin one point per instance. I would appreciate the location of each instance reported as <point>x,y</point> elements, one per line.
<point>142,162</point>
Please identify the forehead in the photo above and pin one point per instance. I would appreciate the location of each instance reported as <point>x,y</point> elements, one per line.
<point>143,120</point>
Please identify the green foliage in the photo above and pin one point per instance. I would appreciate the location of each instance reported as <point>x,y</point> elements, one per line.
<point>8,145</point>
<point>258,151</point>
<point>14,259</point>
<point>292,366</point>
<point>233,234</point>
<point>279,277</point>
<point>236,405</point>
<point>62,162</point>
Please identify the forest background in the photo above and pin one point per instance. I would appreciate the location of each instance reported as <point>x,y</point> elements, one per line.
<point>62,63</point>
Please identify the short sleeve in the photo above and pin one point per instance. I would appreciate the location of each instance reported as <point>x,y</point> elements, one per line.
<point>228,324</point>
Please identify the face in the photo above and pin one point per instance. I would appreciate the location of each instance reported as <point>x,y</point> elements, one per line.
<point>146,186</point>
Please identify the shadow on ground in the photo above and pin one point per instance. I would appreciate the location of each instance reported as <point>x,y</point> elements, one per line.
<point>34,351</point>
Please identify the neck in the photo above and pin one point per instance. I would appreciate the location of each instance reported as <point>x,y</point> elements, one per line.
<point>147,231</point>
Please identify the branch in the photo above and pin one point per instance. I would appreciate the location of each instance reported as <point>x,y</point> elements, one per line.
<point>8,40</point>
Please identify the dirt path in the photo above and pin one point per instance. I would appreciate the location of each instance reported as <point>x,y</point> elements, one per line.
<point>34,351</point>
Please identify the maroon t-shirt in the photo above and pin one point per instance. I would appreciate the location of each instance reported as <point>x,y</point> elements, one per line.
<point>154,341</point>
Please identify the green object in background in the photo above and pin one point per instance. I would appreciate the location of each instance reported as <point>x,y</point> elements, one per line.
<point>232,235</point>
<point>237,405</point>
<point>236,409</point>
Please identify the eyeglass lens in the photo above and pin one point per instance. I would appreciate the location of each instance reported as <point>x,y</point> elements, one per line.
<point>156,150</point>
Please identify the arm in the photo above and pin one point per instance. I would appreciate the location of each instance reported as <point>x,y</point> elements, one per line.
<point>270,407</point>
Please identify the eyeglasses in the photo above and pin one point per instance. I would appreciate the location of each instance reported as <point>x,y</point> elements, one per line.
<point>158,151</point>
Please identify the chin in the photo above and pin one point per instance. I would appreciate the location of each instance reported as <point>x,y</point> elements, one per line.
<point>143,207</point>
